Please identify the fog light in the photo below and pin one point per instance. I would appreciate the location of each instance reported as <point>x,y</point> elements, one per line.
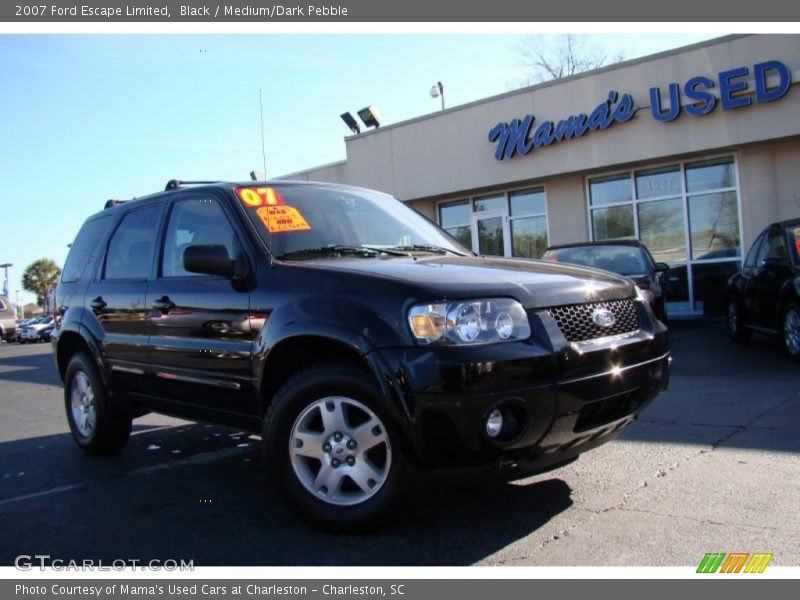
<point>494,423</point>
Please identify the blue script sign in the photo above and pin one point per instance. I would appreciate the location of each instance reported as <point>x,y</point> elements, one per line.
<point>731,90</point>
<point>518,137</point>
<point>514,138</point>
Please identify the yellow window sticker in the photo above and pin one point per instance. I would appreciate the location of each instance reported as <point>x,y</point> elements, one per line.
<point>797,232</point>
<point>259,196</point>
<point>279,219</point>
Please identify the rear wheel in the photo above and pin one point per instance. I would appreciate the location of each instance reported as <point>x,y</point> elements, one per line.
<point>791,332</point>
<point>331,450</point>
<point>736,327</point>
<point>97,425</point>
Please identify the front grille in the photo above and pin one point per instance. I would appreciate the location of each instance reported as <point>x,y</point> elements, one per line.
<point>575,321</point>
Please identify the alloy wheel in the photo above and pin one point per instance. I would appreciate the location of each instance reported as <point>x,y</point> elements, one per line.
<point>82,403</point>
<point>340,451</point>
<point>791,332</point>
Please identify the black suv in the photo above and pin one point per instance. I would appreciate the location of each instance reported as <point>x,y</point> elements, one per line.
<point>765,295</point>
<point>360,340</point>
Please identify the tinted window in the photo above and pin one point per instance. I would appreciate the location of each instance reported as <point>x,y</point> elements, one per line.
<point>794,240</point>
<point>750,261</point>
<point>777,245</point>
<point>191,222</point>
<point>84,248</point>
<point>130,250</point>
<point>311,217</point>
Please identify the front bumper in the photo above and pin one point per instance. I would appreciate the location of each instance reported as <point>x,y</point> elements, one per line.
<point>570,396</point>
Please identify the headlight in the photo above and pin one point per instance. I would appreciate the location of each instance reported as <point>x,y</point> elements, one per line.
<point>469,321</point>
<point>645,295</point>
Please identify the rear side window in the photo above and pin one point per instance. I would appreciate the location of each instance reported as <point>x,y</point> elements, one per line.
<point>130,250</point>
<point>84,249</point>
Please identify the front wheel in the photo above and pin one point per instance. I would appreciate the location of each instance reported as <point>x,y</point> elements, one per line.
<point>791,332</point>
<point>97,425</point>
<point>736,327</point>
<point>331,450</point>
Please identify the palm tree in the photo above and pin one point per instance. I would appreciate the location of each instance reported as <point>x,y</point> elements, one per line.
<point>40,277</point>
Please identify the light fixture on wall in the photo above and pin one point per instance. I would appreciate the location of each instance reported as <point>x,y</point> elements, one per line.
<point>437,91</point>
<point>370,116</point>
<point>350,121</point>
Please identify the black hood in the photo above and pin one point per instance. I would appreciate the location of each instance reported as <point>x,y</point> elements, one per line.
<point>534,283</point>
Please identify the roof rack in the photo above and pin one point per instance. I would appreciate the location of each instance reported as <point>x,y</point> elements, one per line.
<point>174,184</point>
<point>112,203</point>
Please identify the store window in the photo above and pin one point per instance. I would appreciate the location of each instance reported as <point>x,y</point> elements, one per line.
<point>510,223</point>
<point>454,217</point>
<point>687,214</point>
<point>528,217</point>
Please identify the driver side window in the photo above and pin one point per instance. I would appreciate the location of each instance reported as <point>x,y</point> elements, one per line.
<point>194,221</point>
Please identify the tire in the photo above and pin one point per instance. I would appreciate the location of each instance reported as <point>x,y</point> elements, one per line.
<point>97,425</point>
<point>791,332</point>
<point>369,481</point>
<point>736,327</point>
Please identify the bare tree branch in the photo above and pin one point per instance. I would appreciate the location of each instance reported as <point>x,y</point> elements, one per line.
<point>555,57</point>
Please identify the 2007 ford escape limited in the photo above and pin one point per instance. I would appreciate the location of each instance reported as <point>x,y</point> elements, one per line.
<point>363,342</point>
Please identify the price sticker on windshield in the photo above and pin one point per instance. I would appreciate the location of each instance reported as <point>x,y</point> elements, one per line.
<point>254,197</point>
<point>280,219</point>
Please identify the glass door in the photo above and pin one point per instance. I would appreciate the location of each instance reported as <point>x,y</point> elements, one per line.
<point>490,234</point>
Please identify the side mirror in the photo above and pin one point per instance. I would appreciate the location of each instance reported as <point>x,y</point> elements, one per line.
<point>210,259</point>
<point>661,267</point>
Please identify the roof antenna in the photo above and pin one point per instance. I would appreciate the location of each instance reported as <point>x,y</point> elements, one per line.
<point>264,163</point>
<point>263,149</point>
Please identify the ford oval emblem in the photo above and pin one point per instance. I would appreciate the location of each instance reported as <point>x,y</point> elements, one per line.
<point>603,317</point>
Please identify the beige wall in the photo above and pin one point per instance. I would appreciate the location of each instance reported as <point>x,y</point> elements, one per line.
<point>769,179</point>
<point>449,152</point>
<point>447,155</point>
<point>332,173</point>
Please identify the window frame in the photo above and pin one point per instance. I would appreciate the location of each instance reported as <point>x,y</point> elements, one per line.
<point>162,234</point>
<point>101,264</point>
<point>506,193</point>
<point>684,196</point>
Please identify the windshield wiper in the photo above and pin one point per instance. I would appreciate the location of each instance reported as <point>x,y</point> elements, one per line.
<point>423,248</point>
<point>337,249</point>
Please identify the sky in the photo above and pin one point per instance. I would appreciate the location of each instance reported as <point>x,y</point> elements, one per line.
<point>85,118</point>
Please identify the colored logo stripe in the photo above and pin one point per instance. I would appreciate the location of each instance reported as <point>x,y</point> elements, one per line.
<point>735,561</point>
<point>758,562</point>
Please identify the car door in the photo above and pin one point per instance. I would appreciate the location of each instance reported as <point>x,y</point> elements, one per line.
<point>116,297</point>
<point>772,269</point>
<point>200,335</point>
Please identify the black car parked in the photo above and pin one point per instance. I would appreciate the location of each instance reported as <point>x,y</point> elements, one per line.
<point>626,257</point>
<point>764,297</point>
<point>362,341</point>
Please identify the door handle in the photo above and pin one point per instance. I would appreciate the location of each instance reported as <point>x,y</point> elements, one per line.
<point>98,304</point>
<point>164,304</point>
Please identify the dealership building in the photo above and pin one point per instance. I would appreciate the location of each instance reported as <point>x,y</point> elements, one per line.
<point>692,151</point>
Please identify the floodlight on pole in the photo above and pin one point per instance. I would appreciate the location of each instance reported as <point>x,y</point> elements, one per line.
<point>350,121</point>
<point>370,116</point>
<point>437,91</point>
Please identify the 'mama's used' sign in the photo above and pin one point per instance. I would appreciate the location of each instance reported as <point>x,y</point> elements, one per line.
<point>518,137</point>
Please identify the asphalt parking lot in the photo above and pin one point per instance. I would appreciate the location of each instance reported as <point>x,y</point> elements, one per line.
<point>712,466</point>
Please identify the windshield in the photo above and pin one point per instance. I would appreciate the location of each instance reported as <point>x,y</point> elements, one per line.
<point>625,260</point>
<point>308,222</point>
<point>794,240</point>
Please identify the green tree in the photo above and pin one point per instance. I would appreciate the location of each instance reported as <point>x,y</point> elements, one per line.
<point>39,278</point>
